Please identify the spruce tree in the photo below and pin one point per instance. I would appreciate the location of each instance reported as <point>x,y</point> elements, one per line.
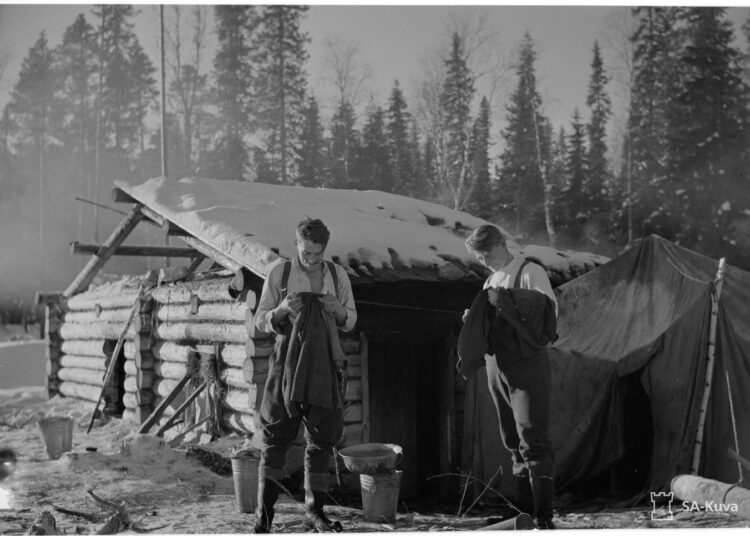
<point>375,162</point>
<point>576,171</point>
<point>480,201</point>
<point>708,137</point>
<point>455,101</point>
<point>343,147</point>
<point>522,172</point>
<point>656,78</point>
<point>399,150</point>
<point>600,106</point>
<point>235,25</point>
<point>311,154</point>
<point>280,85</point>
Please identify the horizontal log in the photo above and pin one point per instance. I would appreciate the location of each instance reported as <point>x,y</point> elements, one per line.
<point>81,375</point>
<point>695,489</point>
<point>80,390</point>
<point>255,367</point>
<point>210,290</point>
<point>234,377</point>
<point>202,332</point>
<point>353,434</point>
<point>84,362</point>
<point>147,381</point>
<point>147,399</point>
<point>120,314</point>
<point>181,312</point>
<point>161,369</point>
<point>233,355</point>
<point>76,248</point>
<point>243,423</point>
<point>106,298</point>
<point>353,413</point>
<point>95,331</point>
<point>101,348</point>
<point>242,400</point>
<point>165,351</point>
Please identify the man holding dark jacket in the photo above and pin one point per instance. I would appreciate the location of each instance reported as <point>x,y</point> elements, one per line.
<point>509,324</point>
<point>304,301</point>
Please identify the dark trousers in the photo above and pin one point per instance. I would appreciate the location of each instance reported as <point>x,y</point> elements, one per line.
<point>323,430</point>
<point>520,389</point>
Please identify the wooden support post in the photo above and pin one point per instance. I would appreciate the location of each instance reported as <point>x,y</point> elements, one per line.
<point>144,360</point>
<point>53,312</point>
<point>117,237</point>
<point>76,248</point>
<point>365,379</point>
<point>710,359</point>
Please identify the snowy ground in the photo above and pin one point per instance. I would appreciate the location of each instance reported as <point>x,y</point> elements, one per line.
<point>165,492</point>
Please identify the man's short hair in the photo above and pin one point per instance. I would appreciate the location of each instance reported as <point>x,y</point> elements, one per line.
<point>484,238</point>
<point>314,230</point>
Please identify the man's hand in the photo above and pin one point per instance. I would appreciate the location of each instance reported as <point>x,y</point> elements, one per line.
<point>331,305</point>
<point>291,305</point>
<point>463,316</point>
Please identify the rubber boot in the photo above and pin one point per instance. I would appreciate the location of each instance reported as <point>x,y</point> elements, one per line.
<point>524,499</point>
<point>316,518</point>
<point>268,493</point>
<point>543,490</point>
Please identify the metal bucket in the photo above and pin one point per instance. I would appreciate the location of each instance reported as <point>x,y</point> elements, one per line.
<point>57,435</point>
<point>380,496</point>
<point>245,475</point>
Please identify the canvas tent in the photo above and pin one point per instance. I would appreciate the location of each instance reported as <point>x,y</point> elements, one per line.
<point>643,319</point>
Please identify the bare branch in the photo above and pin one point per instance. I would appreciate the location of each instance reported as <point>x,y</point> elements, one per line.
<point>345,71</point>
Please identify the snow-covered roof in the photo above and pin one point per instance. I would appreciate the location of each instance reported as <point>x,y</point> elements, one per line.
<point>372,232</point>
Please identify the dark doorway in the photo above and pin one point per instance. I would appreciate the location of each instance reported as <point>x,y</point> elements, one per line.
<point>404,389</point>
<point>114,393</point>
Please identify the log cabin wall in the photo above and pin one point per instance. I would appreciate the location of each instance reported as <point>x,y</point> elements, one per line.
<point>174,326</point>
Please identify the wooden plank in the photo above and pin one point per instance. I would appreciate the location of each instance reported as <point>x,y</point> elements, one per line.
<point>192,396</point>
<point>118,236</point>
<point>77,248</point>
<point>163,404</point>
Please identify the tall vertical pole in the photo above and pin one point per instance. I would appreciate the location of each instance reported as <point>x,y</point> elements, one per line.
<point>97,147</point>
<point>710,360</point>
<point>164,172</point>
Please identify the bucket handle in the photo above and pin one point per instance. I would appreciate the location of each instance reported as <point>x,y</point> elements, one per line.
<point>399,457</point>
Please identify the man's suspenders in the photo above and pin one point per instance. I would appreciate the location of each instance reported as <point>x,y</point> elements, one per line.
<point>517,282</point>
<point>288,269</point>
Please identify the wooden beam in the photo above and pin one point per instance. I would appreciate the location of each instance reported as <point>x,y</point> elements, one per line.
<point>114,241</point>
<point>76,248</point>
<point>175,230</point>
<point>153,216</point>
<point>212,253</point>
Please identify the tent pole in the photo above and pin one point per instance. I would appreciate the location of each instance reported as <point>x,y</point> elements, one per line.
<point>710,359</point>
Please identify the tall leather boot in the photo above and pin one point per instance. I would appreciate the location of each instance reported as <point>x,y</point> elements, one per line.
<point>524,499</point>
<point>316,518</point>
<point>268,493</point>
<point>543,490</point>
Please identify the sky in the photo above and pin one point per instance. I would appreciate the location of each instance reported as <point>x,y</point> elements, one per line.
<point>393,39</point>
